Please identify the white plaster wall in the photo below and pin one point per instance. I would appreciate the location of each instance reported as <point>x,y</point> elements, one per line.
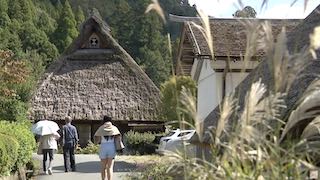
<point>209,90</point>
<point>194,67</point>
<point>233,80</point>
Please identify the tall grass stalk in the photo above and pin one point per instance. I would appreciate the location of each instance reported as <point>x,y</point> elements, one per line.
<point>259,145</point>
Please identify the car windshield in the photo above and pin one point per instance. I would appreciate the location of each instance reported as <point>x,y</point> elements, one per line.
<point>184,134</point>
<point>170,133</point>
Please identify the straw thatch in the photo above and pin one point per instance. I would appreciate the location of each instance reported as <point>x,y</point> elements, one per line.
<point>297,39</point>
<point>87,83</point>
<point>228,36</point>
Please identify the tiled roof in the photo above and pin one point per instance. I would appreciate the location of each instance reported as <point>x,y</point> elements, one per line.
<point>229,38</point>
<point>229,35</point>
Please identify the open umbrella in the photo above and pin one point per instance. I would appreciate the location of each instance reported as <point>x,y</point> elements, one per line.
<point>45,127</point>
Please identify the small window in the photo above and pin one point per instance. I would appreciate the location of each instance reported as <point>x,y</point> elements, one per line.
<point>94,41</point>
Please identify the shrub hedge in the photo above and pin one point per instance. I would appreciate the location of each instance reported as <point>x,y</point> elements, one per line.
<point>91,148</point>
<point>139,143</point>
<point>8,154</point>
<point>16,146</point>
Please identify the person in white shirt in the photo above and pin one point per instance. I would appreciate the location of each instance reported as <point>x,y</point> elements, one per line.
<point>48,143</point>
<point>107,135</point>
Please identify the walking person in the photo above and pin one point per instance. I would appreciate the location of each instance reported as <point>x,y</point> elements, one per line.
<point>69,142</point>
<point>107,135</point>
<point>47,145</point>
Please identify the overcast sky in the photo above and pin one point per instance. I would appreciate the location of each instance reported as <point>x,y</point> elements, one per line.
<point>274,9</point>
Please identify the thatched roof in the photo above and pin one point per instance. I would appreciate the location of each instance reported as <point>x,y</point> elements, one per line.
<point>88,82</point>
<point>228,36</point>
<point>297,39</point>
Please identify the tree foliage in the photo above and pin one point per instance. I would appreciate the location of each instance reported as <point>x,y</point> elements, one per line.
<point>79,15</point>
<point>67,28</point>
<point>176,7</point>
<point>170,97</point>
<point>14,76</point>
<point>246,12</point>
<point>37,31</point>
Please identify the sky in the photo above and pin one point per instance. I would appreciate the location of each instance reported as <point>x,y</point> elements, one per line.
<point>278,9</point>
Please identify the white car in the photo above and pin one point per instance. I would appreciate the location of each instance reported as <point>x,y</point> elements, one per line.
<point>175,141</point>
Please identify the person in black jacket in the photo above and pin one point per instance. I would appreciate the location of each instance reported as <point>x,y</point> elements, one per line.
<point>69,142</point>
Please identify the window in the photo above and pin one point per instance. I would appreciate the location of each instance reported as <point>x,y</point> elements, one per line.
<point>183,134</point>
<point>94,41</point>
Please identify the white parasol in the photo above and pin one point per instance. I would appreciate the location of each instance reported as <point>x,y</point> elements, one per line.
<point>45,127</point>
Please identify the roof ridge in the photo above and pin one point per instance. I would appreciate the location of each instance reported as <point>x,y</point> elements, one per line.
<point>177,18</point>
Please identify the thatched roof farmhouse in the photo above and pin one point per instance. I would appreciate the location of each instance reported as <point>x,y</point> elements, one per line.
<point>96,77</point>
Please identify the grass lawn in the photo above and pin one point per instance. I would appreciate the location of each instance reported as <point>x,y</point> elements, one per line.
<point>143,161</point>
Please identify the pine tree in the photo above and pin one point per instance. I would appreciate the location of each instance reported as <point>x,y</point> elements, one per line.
<point>4,6</point>
<point>20,10</point>
<point>45,22</point>
<point>35,39</point>
<point>14,10</point>
<point>67,28</point>
<point>26,10</point>
<point>79,16</point>
<point>150,45</point>
<point>4,20</point>
<point>10,40</point>
<point>122,31</point>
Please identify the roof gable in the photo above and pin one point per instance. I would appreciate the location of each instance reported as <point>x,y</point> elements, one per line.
<point>87,82</point>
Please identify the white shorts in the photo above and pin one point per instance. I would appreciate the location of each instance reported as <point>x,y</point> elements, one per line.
<point>107,150</point>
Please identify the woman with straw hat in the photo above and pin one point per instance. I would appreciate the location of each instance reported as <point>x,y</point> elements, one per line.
<point>106,135</point>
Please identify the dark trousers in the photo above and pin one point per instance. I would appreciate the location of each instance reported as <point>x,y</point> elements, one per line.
<point>69,160</point>
<point>45,153</point>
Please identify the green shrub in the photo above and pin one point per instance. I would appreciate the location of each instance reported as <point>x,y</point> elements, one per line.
<point>139,143</point>
<point>12,109</point>
<point>91,148</point>
<point>8,154</point>
<point>24,137</point>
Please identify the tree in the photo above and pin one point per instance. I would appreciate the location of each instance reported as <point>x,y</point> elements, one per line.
<point>4,19</point>
<point>67,28</point>
<point>176,7</point>
<point>14,75</point>
<point>45,23</point>
<point>155,65</point>
<point>246,12</point>
<point>9,40</point>
<point>4,6</point>
<point>79,16</point>
<point>20,10</point>
<point>124,31</point>
<point>170,97</point>
<point>35,39</point>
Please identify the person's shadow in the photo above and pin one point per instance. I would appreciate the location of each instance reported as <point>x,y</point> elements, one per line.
<point>94,167</point>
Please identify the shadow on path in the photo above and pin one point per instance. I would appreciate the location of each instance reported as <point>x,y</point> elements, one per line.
<point>94,167</point>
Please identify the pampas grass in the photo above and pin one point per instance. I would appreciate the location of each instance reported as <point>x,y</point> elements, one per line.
<point>259,145</point>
